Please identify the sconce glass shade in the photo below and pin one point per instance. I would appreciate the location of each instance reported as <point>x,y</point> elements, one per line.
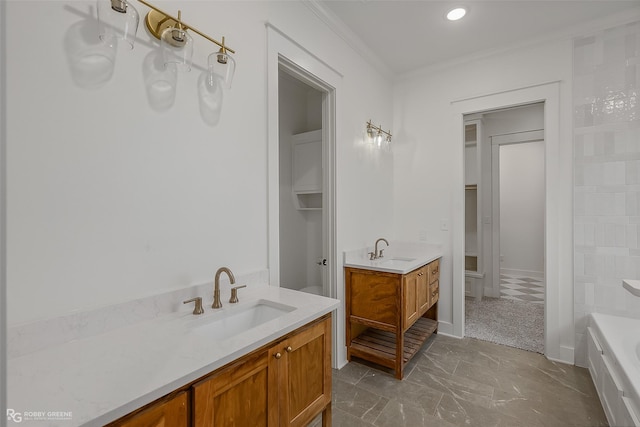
<point>177,48</point>
<point>378,139</point>
<point>370,134</point>
<point>222,66</point>
<point>117,19</point>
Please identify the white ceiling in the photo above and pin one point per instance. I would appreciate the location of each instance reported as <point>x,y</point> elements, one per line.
<point>408,35</point>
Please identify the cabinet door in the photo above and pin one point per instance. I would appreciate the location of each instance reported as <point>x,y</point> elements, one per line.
<point>244,394</point>
<point>307,162</point>
<point>172,412</point>
<point>304,372</point>
<point>410,299</point>
<point>423,291</point>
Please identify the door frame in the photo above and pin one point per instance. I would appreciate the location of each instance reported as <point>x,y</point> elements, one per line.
<point>284,52</point>
<point>559,324</point>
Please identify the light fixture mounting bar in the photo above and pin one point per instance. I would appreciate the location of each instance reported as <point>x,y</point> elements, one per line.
<point>378,128</point>
<point>189,27</point>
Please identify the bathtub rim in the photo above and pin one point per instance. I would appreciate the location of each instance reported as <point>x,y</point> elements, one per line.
<point>616,334</point>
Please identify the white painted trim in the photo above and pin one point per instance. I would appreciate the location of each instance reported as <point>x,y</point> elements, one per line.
<point>446,328</point>
<point>518,137</point>
<point>559,326</point>
<point>283,51</point>
<point>496,141</point>
<point>495,217</point>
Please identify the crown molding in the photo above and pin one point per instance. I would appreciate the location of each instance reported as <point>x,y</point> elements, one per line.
<point>336,25</point>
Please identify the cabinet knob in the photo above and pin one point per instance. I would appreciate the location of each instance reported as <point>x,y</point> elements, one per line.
<point>289,349</point>
<point>277,355</point>
<point>433,294</point>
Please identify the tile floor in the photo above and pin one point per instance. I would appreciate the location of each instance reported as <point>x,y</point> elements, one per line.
<point>467,382</point>
<point>527,289</point>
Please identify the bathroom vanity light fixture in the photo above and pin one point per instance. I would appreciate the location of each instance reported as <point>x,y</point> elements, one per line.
<point>119,19</point>
<point>377,135</point>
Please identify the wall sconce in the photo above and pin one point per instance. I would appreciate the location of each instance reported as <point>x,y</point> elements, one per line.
<point>378,136</point>
<point>118,19</point>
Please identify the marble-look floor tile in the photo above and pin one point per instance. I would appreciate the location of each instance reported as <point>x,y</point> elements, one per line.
<point>356,401</point>
<point>463,351</point>
<point>426,398</point>
<point>400,414</point>
<point>464,413</point>
<point>552,410</point>
<point>351,373</point>
<point>458,387</point>
<point>452,382</point>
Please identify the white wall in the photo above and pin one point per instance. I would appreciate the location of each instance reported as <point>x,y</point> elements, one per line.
<point>429,154</point>
<point>522,208</point>
<point>110,200</point>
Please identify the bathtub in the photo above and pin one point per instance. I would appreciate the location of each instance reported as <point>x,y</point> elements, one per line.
<point>613,353</point>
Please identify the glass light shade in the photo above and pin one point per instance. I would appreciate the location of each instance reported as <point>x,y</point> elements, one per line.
<point>177,48</point>
<point>378,139</point>
<point>222,66</point>
<point>117,19</point>
<point>370,134</point>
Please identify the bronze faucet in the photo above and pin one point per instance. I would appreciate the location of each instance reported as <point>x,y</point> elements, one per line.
<point>216,290</point>
<point>377,254</point>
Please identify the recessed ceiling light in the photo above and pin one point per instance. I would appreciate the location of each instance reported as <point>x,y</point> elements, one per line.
<point>456,14</point>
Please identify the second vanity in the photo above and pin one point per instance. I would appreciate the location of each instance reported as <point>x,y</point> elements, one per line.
<point>391,303</point>
<point>266,358</point>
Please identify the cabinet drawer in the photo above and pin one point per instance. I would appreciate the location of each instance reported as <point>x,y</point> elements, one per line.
<point>434,270</point>
<point>628,416</point>
<point>594,356</point>
<point>434,292</point>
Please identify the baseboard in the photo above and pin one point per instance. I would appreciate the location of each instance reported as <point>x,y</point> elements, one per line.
<point>491,293</point>
<point>446,328</point>
<point>566,356</point>
<point>523,273</point>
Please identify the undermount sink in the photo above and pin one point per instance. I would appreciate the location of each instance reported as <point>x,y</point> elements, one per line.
<point>397,260</point>
<point>231,321</point>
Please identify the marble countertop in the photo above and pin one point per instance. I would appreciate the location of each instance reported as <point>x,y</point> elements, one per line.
<point>97,379</point>
<point>399,257</point>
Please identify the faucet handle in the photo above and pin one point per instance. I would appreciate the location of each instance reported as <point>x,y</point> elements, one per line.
<point>198,306</point>
<point>380,253</point>
<point>372,255</point>
<point>234,294</point>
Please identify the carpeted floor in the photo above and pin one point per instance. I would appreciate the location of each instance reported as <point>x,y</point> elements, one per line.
<point>513,323</point>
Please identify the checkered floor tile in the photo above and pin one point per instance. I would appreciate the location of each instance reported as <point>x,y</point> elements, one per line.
<point>526,289</point>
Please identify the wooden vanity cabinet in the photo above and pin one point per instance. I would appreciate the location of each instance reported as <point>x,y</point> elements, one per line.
<point>288,384</point>
<point>172,410</point>
<point>284,383</point>
<point>389,316</point>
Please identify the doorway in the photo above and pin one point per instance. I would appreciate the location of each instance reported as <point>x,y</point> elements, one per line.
<point>504,226</point>
<point>302,260</point>
<point>285,55</point>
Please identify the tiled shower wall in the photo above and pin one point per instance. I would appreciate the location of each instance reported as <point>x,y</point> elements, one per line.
<point>606,102</point>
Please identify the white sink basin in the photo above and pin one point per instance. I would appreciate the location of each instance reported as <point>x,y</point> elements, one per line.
<point>232,321</point>
<point>396,261</point>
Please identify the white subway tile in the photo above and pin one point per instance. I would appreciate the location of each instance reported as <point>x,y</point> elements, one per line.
<point>614,173</point>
